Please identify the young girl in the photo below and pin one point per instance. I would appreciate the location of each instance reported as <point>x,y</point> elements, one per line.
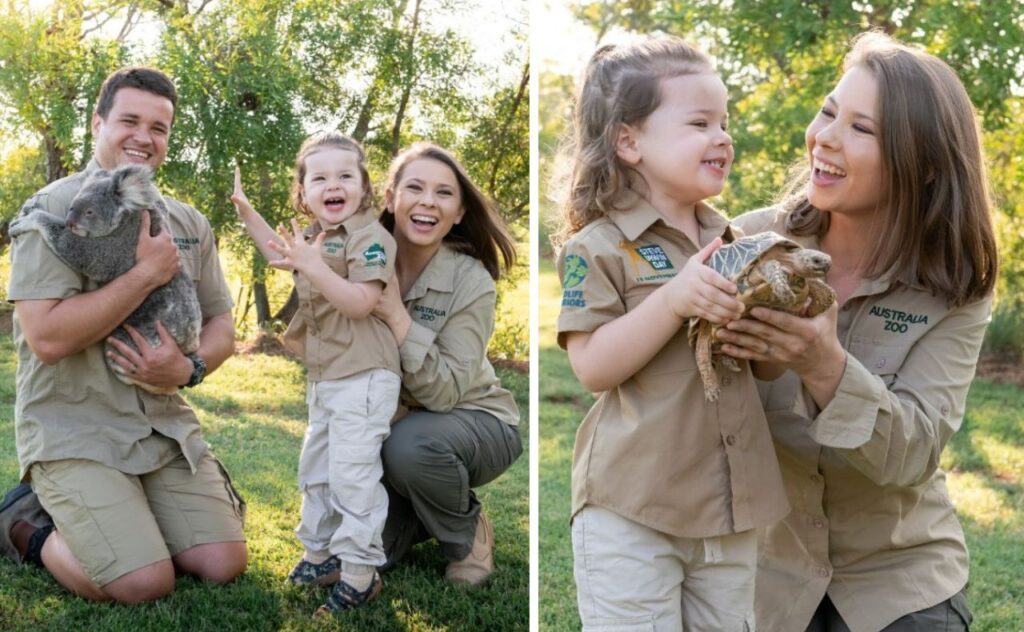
<point>341,265</point>
<point>668,488</point>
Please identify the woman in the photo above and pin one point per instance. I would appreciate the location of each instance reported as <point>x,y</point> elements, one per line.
<point>895,192</point>
<point>460,427</point>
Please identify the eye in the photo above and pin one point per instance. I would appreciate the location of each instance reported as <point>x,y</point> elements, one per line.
<point>701,124</point>
<point>414,187</point>
<point>445,192</point>
<point>317,178</point>
<point>862,129</point>
<point>827,113</point>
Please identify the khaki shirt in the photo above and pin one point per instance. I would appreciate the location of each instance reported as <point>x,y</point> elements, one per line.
<point>444,355</point>
<point>652,449</point>
<point>872,523</point>
<point>77,408</point>
<point>332,345</point>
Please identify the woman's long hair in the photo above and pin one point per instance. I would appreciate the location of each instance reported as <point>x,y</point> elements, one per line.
<point>482,233</point>
<point>935,206</point>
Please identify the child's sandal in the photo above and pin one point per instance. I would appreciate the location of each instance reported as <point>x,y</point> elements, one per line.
<point>344,597</point>
<point>324,574</point>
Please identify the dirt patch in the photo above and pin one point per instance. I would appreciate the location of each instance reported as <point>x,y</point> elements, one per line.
<point>267,344</point>
<point>521,366</point>
<point>1002,368</point>
<point>6,321</point>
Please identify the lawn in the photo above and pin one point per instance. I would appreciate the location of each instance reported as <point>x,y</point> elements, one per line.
<point>253,417</point>
<point>985,461</point>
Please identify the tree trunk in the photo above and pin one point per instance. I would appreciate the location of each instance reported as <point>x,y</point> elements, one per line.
<point>409,83</point>
<point>289,308</point>
<point>501,142</point>
<point>55,169</point>
<point>259,297</point>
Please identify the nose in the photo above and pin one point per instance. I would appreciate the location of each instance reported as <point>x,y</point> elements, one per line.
<point>827,136</point>
<point>724,139</point>
<point>427,199</point>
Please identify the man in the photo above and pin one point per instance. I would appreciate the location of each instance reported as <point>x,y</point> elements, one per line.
<point>132,489</point>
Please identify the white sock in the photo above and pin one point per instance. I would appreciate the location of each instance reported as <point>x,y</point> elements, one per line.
<point>358,576</point>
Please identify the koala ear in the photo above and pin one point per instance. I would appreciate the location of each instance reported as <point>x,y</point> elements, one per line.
<point>134,184</point>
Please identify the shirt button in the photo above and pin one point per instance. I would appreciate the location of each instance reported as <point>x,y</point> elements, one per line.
<point>815,478</point>
<point>818,523</point>
<point>944,409</point>
<point>730,439</point>
<point>726,380</point>
<point>822,571</point>
<point>880,363</point>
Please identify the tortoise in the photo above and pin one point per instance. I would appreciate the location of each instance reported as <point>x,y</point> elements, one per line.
<point>770,271</point>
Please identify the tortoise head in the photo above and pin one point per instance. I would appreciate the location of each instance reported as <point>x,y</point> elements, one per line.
<point>811,263</point>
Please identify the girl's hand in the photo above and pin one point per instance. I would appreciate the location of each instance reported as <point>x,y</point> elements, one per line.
<point>808,346</point>
<point>700,291</point>
<point>296,253</point>
<point>238,197</point>
<point>391,310</point>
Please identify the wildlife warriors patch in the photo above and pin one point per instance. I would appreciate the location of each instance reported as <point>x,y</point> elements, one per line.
<point>375,256</point>
<point>651,254</point>
<point>575,271</point>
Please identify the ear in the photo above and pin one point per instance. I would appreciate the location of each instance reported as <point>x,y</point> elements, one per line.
<point>96,120</point>
<point>389,198</point>
<point>134,184</point>
<point>462,213</point>
<point>626,144</point>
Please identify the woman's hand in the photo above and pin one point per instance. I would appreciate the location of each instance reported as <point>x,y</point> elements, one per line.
<point>700,291</point>
<point>391,310</point>
<point>295,252</point>
<point>808,346</point>
<point>238,197</point>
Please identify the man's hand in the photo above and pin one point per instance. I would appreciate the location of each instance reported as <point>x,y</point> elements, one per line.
<point>161,366</point>
<point>156,256</point>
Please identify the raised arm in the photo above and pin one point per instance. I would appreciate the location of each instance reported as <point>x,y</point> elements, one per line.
<point>257,227</point>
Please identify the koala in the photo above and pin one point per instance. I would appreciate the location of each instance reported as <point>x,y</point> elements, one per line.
<point>98,240</point>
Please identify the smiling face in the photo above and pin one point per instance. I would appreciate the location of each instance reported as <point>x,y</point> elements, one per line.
<point>844,148</point>
<point>682,149</point>
<point>426,201</point>
<point>333,186</point>
<point>135,130</point>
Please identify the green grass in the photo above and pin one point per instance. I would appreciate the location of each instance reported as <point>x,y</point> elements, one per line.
<point>253,417</point>
<point>984,460</point>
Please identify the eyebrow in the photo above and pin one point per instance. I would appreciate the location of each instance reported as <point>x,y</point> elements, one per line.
<point>856,114</point>
<point>708,112</point>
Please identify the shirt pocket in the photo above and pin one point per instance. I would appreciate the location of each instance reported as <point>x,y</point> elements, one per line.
<point>883,358</point>
<point>191,263</point>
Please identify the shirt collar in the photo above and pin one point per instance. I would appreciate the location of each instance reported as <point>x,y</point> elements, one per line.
<point>633,215</point>
<point>439,275</point>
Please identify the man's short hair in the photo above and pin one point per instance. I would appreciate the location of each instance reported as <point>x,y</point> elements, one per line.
<point>148,79</point>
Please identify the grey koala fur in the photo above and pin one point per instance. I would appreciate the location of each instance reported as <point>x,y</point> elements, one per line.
<point>98,239</point>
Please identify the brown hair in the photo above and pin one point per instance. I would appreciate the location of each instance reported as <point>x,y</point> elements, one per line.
<point>936,197</point>
<point>481,234</point>
<point>147,79</point>
<point>328,140</point>
<point>621,85</point>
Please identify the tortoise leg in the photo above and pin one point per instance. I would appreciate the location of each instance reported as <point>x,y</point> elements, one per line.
<point>775,275</point>
<point>730,363</point>
<point>704,364</point>
<point>822,297</point>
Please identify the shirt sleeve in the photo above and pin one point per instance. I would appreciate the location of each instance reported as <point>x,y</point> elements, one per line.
<point>36,272</point>
<point>212,289</point>
<point>591,277</point>
<point>439,367</point>
<point>894,433</point>
<point>370,255</point>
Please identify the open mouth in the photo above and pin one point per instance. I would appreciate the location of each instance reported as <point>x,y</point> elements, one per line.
<point>334,203</point>
<point>135,153</point>
<point>423,220</point>
<point>827,169</point>
<point>719,163</point>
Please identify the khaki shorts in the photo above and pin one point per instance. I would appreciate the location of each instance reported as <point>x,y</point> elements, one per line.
<point>115,523</point>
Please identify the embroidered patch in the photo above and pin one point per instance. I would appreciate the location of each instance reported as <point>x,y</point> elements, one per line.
<point>375,256</point>
<point>897,321</point>
<point>655,256</point>
<point>333,245</point>
<point>186,243</point>
<point>428,313</point>
<point>573,298</point>
<point>575,271</point>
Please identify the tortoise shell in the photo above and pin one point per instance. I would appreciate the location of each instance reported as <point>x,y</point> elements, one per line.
<point>734,260</point>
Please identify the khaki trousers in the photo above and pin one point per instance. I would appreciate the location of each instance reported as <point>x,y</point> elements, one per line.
<point>631,578</point>
<point>344,503</point>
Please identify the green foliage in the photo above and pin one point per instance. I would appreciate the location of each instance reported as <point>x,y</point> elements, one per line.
<point>21,175</point>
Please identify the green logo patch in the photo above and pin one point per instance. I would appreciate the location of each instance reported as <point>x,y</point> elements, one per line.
<point>655,256</point>
<point>375,256</point>
<point>575,271</point>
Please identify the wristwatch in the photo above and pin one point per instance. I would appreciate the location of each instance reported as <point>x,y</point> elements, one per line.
<point>198,371</point>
